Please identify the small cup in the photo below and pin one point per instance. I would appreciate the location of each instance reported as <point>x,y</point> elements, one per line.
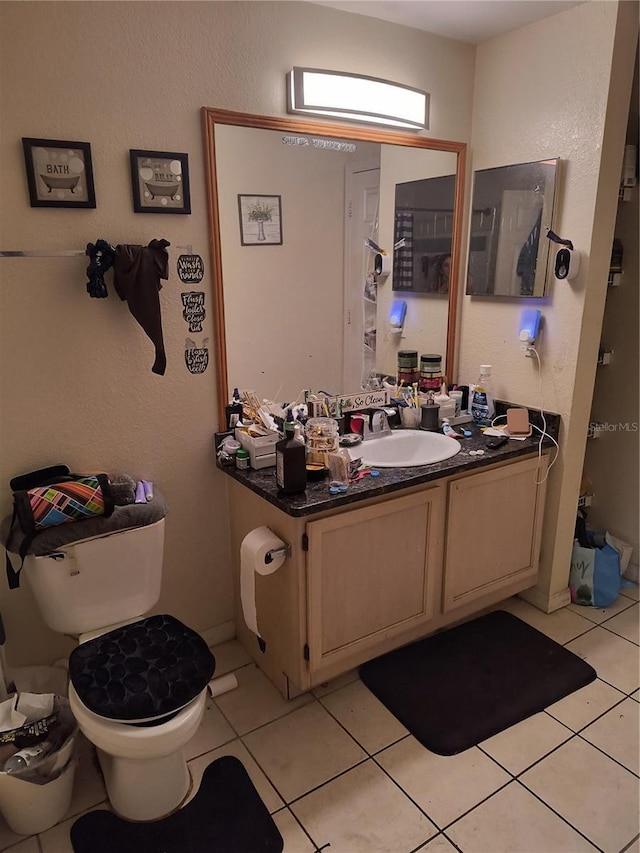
<point>410,417</point>
<point>457,396</point>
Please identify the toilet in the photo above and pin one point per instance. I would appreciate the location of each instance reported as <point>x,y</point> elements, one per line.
<point>137,685</point>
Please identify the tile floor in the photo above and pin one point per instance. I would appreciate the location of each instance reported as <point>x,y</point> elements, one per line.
<point>339,773</point>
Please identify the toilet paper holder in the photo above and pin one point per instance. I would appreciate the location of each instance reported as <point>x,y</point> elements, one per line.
<point>270,555</point>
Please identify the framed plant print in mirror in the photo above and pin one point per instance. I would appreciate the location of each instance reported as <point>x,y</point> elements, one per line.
<point>512,211</point>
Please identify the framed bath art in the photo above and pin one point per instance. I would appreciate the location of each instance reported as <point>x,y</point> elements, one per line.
<point>160,182</point>
<point>59,173</point>
<point>260,220</point>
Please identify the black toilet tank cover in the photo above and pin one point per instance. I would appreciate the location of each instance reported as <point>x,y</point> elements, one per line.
<point>143,671</point>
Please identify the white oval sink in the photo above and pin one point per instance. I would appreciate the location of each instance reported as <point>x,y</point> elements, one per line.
<point>405,448</point>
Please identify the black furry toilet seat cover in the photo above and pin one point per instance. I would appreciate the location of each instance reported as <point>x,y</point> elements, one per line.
<point>143,671</point>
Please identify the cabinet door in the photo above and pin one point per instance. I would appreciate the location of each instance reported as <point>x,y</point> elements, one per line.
<point>494,525</point>
<point>372,573</point>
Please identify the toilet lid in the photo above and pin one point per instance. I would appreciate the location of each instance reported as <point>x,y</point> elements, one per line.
<point>142,671</point>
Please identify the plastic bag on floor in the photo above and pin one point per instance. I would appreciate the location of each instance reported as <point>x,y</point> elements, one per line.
<point>594,577</point>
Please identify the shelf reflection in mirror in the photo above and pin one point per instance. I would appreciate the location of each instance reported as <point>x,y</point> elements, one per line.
<point>309,313</point>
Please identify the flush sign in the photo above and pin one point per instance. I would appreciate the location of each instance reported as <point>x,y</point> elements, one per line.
<point>355,402</point>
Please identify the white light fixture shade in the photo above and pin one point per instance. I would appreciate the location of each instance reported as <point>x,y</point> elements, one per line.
<point>349,96</point>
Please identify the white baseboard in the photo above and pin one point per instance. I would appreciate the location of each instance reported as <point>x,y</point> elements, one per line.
<point>219,633</point>
<point>631,572</point>
<point>544,602</point>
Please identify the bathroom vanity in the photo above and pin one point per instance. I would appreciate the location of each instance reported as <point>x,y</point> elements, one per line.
<point>390,561</point>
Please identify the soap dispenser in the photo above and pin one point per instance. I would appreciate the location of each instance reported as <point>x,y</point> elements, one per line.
<point>291,462</point>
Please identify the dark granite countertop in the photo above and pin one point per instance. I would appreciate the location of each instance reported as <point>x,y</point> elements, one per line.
<point>317,499</point>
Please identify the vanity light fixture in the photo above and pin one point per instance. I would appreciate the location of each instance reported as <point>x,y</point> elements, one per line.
<point>338,94</point>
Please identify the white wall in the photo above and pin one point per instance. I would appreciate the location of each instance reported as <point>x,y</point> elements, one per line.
<point>76,382</point>
<point>615,399</point>
<point>540,94</point>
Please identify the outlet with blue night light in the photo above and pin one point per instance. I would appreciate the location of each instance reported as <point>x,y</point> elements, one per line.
<point>529,331</point>
<point>396,315</point>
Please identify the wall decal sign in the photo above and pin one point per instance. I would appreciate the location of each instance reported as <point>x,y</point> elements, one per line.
<point>193,312</point>
<point>196,358</point>
<point>59,174</point>
<point>160,182</point>
<point>190,269</point>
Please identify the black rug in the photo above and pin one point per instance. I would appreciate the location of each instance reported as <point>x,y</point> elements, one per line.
<point>225,816</point>
<point>455,689</point>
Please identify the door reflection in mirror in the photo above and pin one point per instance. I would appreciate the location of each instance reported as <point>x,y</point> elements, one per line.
<point>512,211</point>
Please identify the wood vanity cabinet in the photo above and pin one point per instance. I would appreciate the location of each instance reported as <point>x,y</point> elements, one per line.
<point>365,578</point>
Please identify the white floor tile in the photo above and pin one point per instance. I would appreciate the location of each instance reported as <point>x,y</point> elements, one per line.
<point>617,734</point>
<point>303,750</point>
<point>439,844</point>
<point>581,707</point>
<point>265,789</point>
<point>636,695</point>
<point>601,614</point>
<point>519,746</point>
<point>335,683</point>
<point>255,701</point>
<point>443,786</point>
<point>295,839</point>
<point>631,591</point>
<point>626,624</point>
<point>592,792</point>
<point>561,625</point>
<point>214,730</point>
<point>634,847</point>
<point>229,656</point>
<point>29,845</point>
<point>615,660</point>
<point>57,839</point>
<point>514,821</point>
<point>364,716</point>
<point>361,812</point>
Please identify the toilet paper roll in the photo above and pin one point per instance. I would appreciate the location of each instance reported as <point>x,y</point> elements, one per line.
<point>254,559</point>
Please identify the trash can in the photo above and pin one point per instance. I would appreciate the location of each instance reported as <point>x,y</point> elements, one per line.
<point>34,799</point>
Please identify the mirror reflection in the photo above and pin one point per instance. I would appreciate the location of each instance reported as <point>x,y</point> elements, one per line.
<point>512,209</point>
<point>312,309</point>
<point>423,235</point>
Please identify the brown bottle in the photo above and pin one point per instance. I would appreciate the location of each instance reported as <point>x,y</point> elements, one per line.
<point>291,462</point>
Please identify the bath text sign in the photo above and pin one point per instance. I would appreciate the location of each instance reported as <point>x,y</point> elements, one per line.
<point>355,402</point>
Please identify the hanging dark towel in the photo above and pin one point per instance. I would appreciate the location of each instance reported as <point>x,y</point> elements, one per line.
<point>101,256</point>
<point>137,274</point>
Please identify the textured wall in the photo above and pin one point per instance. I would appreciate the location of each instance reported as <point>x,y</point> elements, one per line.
<point>76,382</point>
<point>539,94</point>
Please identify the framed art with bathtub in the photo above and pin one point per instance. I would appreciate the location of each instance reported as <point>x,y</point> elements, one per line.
<point>59,173</point>
<point>160,182</point>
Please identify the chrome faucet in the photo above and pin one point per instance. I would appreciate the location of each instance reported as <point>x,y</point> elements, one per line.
<point>377,425</point>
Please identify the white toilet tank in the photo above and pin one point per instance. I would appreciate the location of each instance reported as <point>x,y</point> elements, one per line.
<point>98,582</point>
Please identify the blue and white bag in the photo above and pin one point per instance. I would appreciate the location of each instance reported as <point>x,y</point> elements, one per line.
<point>594,579</point>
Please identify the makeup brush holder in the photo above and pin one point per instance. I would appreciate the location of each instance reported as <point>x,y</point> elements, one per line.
<point>429,417</point>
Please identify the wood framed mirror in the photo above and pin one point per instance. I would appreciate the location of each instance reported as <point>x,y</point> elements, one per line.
<point>297,300</point>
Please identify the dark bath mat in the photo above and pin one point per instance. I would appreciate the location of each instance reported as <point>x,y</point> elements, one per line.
<point>455,689</point>
<point>225,816</point>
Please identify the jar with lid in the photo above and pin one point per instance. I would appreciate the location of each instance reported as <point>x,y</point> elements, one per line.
<point>242,458</point>
<point>431,377</point>
<point>407,366</point>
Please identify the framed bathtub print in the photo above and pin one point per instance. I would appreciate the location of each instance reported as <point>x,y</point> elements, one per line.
<point>59,173</point>
<point>260,220</point>
<point>160,182</point>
